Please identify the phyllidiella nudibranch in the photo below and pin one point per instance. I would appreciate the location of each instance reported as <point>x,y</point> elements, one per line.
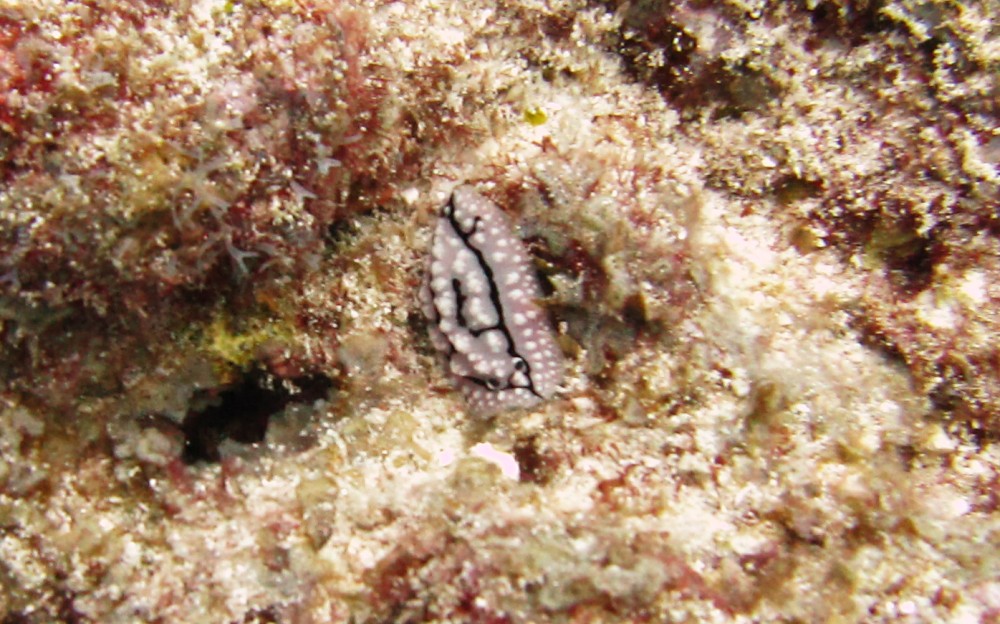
<point>479,297</point>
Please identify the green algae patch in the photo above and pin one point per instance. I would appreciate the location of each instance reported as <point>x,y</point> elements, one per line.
<point>238,344</point>
<point>535,116</point>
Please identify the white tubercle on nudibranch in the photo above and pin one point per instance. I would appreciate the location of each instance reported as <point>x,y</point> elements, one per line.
<point>479,297</point>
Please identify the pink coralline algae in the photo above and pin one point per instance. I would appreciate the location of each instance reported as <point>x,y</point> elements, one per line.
<point>480,298</point>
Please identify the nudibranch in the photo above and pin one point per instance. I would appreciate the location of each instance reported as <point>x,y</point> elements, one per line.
<point>479,296</point>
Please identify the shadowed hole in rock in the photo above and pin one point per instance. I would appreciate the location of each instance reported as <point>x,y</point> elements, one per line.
<point>535,465</point>
<point>241,411</point>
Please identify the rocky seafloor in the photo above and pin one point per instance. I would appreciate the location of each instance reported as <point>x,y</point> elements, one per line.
<point>768,238</point>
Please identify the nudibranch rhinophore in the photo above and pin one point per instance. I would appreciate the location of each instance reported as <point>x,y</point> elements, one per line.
<point>479,296</point>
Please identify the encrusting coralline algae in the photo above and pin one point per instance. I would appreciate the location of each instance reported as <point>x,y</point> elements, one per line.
<point>764,232</point>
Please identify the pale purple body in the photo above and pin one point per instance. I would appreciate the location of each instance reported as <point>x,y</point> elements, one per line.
<point>479,297</point>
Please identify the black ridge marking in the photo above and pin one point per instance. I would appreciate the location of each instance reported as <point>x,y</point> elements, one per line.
<point>491,383</point>
<point>456,285</point>
<point>460,299</point>
<point>449,213</point>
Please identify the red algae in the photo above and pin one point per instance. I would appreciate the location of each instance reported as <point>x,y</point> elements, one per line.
<point>168,162</point>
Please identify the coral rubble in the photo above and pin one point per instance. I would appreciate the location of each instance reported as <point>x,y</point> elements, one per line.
<point>766,232</point>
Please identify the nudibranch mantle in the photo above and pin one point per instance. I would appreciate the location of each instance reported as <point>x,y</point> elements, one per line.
<point>479,296</point>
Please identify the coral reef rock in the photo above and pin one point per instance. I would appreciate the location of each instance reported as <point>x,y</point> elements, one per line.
<point>766,235</point>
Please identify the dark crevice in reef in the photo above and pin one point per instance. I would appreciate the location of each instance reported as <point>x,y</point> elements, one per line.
<point>241,411</point>
<point>853,22</point>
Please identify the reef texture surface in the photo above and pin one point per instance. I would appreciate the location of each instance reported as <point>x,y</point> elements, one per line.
<point>766,233</point>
